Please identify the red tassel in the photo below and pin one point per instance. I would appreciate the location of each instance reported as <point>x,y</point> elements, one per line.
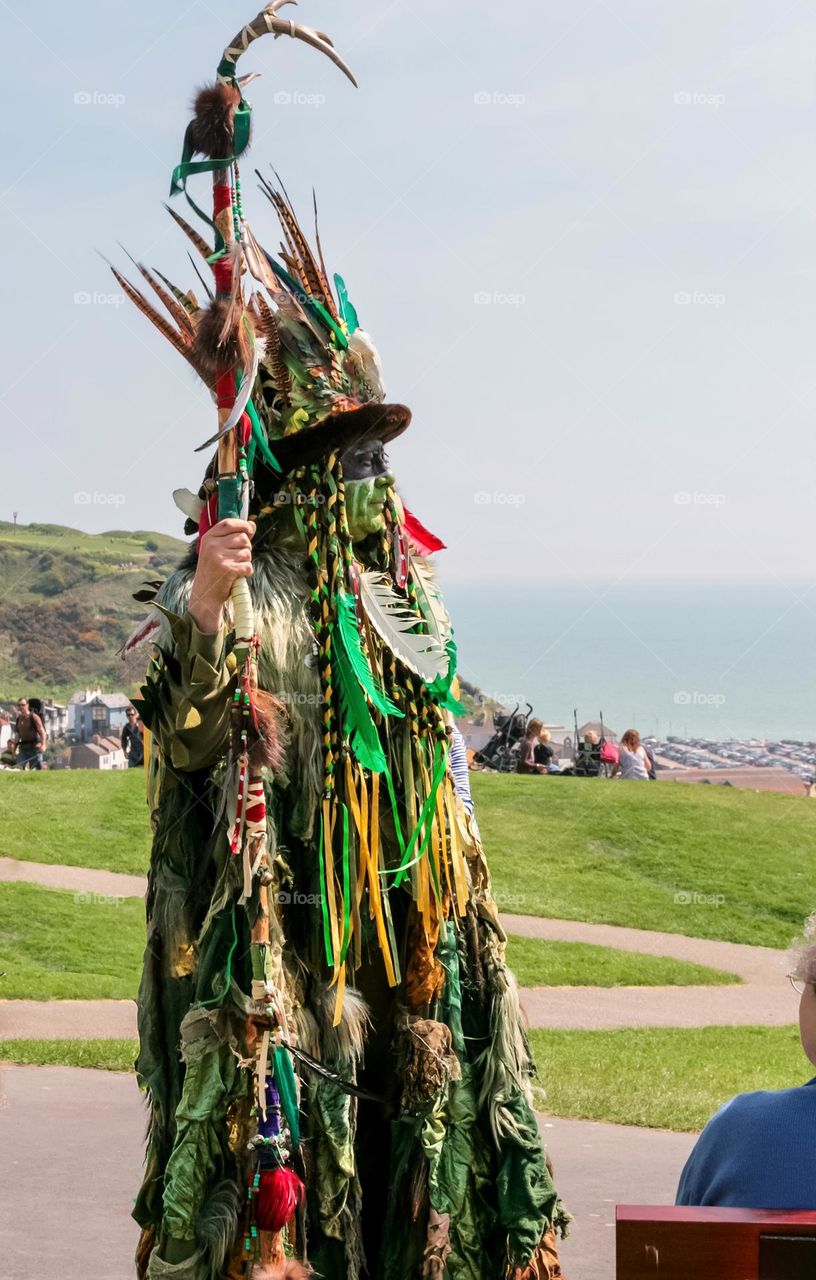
<point>279,1193</point>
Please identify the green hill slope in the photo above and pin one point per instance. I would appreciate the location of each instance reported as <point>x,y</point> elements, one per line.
<point>702,861</point>
<point>66,605</point>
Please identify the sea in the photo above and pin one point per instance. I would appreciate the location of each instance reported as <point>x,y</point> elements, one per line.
<point>704,660</point>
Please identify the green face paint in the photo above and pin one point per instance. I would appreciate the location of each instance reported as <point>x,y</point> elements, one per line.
<point>365,500</point>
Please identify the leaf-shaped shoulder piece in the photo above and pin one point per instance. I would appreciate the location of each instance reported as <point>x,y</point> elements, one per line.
<point>395,622</point>
<point>347,633</point>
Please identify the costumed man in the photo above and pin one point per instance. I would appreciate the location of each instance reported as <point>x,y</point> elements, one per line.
<point>338,1074</point>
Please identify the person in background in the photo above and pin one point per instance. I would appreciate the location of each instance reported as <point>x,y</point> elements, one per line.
<point>633,762</point>
<point>527,748</point>
<point>759,1150</point>
<point>543,752</point>
<point>132,740</point>
<point>652,762</point>
<point>30,737</point>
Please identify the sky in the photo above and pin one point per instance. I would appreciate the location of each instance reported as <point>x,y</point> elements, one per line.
<point>582,236</point>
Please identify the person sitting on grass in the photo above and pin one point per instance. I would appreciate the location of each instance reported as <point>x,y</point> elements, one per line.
<point>759,1150</point>
<point>527,762</point>
<point>633,762</point>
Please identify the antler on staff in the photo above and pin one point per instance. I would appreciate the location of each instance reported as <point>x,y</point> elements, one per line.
<point>267,23</point>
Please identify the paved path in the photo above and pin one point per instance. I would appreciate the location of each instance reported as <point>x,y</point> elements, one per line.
<point>760,965</point>
<point>607,1008</point>
<point>105,884</point>
<point>67,1019</point>
<point>100,1119</point>
<point>764,999</point>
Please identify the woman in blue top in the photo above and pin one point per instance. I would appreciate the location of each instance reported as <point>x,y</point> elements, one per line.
<point>759,1150</point>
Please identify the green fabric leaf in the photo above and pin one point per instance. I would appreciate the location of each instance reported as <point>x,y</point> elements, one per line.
<point>284,1077</point>
<point>347,633</point>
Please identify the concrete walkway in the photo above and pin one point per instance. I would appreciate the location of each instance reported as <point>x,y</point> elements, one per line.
<point>103,884</point>
<point>760,965</point>
<point>609,1008</point>
<point>100,1119</point>
<point>67,1020</point>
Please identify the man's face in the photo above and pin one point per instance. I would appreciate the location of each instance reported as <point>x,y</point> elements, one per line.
<point>367,478</point>
<point>22,707</point>
<point>131,715</point>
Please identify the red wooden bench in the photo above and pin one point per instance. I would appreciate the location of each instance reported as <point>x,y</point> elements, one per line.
<point>656,1243</point>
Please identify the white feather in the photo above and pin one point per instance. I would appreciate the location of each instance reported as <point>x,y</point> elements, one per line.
<point>361,346</point>
<point>394,620</point>
<point>430,599</point>
<point>188,503</point>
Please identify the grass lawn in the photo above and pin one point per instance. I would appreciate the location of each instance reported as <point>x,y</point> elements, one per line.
<point>64,946</point>
<point>539,963</point>
<point>711,862</point>
<point>81,817</point>
<point>663,1077</point>
<point>107,1055</point>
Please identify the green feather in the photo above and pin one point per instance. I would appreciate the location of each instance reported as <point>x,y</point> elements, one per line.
<point>311,304</point>
<point>358,726</point>
<point>349,633</point>
<point>441,687</point>
<point>347,312</point>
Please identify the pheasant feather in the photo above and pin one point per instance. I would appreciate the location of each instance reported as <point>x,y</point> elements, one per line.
<point>200,243</point>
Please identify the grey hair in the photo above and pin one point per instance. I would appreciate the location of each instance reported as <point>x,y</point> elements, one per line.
<point>803,953</point>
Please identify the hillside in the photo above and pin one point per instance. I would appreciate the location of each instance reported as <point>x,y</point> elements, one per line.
<point>703,861</point>
<point>66,605</point>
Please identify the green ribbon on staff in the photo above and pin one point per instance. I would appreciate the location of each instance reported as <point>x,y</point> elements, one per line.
<point>188,168</point>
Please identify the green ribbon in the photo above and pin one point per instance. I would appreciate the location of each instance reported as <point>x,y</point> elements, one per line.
<point>188,168</point>
<point>346,886</point>
<point>439,766</point>
<point>324,905</point>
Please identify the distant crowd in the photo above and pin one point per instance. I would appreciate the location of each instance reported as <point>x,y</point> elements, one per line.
<point>27,745</point>
<point>630,758</point>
